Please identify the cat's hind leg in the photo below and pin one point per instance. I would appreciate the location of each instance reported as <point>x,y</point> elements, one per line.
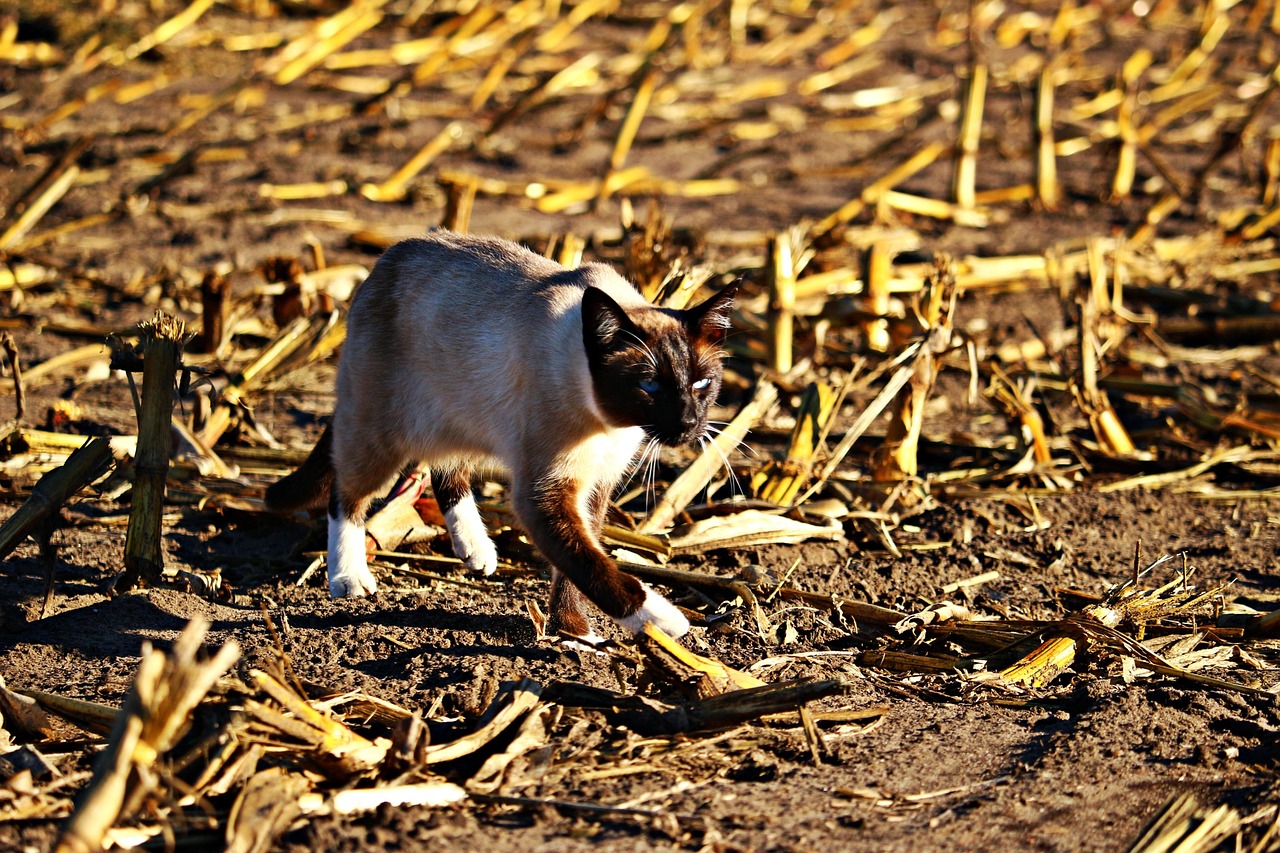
<point>471,542</point>
<point>361,471</point>
<point>568,610</point>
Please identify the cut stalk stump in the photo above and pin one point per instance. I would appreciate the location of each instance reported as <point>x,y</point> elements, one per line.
<point>161,348</point>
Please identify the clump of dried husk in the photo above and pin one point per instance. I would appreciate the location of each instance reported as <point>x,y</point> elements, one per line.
<point>1096,626</point>
<point>1184,825</point>
<point>157,711</point>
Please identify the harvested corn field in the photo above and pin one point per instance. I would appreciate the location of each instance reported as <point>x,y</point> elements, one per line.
<point>985,553</point>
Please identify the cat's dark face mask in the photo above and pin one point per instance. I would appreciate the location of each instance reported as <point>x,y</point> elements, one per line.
<point>656,368</point>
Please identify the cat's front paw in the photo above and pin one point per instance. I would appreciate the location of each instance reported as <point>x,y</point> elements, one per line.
<point>352,583</point>
<point>662,613</point>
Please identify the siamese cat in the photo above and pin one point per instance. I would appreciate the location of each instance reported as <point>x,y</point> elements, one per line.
<point>465,351</point>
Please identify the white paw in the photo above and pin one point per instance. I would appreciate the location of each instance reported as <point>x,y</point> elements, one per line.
<point>471,540</point>
<point>353,583</point>
<point>591,642</point>
<point>662,613</point>
<point>348,568</point>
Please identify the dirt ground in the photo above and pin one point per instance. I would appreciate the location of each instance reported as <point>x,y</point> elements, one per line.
<point>953,761</point>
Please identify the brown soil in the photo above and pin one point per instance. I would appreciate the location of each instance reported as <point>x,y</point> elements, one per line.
<point>1080,765</point>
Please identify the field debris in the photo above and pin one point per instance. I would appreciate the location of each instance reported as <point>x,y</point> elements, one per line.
<point>989,259</point>
<point>267,754</point>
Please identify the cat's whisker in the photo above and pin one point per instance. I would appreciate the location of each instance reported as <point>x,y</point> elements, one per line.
<point>737,484</point>
<point>639,464</point>
<point>738,444</point>
<point>651,475</point>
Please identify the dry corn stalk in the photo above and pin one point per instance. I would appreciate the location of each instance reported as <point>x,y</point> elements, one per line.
<point>902,367</point>
<point>333,746</point>
<point>393,188</point>
<point>897,456</point>
<point>460,198</point>
<point>1184,826</point>
<point>782,302</point>
<point>161,347</point>
<point>317,331</point>
<point>84,466</point>
<point>1106,424</point>
<point>1127,159</point>
<point>1047,190</point>
<point>826,230</point>
<point>156,712</point>
<point>1016,401</point>
<point>708,676</point>
<point>629,127</point>
<point>970,132</point>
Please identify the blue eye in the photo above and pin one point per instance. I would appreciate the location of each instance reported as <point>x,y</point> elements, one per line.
<point>649,386</point>
<point>701,383</point>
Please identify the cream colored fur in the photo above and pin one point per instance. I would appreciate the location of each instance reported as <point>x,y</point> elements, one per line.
<point>467,349</point>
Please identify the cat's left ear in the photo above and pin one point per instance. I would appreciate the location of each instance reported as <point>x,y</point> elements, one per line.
<point>710,320</point>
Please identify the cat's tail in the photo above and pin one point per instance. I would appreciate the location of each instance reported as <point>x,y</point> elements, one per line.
<point>309,486</point>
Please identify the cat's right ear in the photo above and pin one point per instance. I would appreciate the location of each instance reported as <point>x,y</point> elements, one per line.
<point>603,320</point>
<point>710,320</point>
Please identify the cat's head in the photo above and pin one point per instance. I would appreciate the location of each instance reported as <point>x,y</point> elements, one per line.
<point>656,368</point>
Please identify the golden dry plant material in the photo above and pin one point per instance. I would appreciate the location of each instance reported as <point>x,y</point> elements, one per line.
<point>1016,401</point>
<point>394,188</point>
<point>704,677</point>
<point>326,37</point>
<point>1186,826</point>
<point>1127,153</point>
<point>1110,432</point>
<point>897,456</point>
<point>780,482</point>
<point>828,229</point>
<point>460,199</point>
<point>629,127</point>
<point>1047,188</point>
<point>303,334</point>
<point>1096,625</point>
<point>879,275</point>
<point>157,711</point>
<point>782,303</point>
<point>50,194</point>
<point>215,307</point>
<point>333,746</point>
<point>969,134</point>
<point>160,345</point>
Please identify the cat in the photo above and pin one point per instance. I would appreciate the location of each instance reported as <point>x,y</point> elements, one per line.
<point>465,351</point>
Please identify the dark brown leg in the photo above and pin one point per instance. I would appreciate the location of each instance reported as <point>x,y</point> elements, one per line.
<point>568,608</point>
<point>551,516</point>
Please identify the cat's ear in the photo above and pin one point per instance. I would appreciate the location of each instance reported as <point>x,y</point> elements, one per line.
<point>603,320</point>
<point>710,320</point>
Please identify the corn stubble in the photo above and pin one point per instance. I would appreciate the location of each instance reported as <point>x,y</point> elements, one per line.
<point>845,280</point>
